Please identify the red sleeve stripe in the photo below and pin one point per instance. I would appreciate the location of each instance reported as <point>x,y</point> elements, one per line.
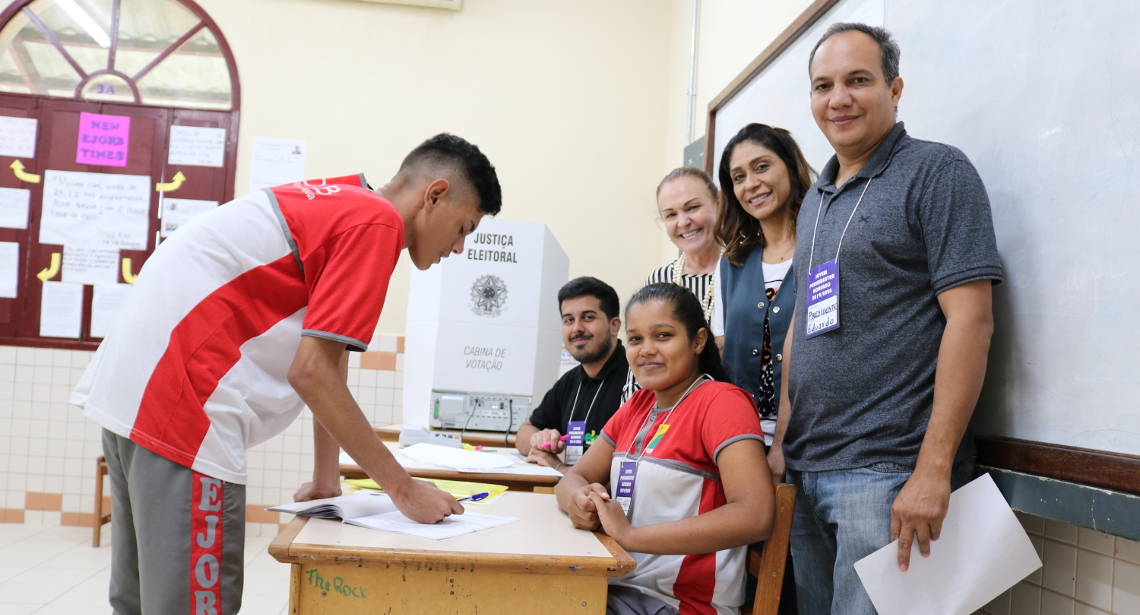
<point>203,347</point>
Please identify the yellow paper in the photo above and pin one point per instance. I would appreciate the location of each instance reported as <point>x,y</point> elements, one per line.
<point>454,487</point>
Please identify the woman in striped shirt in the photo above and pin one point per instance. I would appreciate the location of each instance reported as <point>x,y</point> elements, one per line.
<point>687,203</point>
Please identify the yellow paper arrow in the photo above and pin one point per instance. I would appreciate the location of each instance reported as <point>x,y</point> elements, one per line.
<point>172,186</point>
<point>127,275</point>
<point>53,269</point>
<point>18,168</point>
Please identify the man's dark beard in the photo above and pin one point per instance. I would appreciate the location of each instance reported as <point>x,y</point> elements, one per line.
<point>597,355</point>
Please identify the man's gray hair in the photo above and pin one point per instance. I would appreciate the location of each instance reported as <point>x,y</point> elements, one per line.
<point>888,48</point>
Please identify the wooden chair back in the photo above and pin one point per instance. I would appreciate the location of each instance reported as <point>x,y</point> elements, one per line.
<point>768,565</point>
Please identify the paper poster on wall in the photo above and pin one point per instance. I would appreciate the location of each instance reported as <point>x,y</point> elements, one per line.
<point>176,212</point>
<point>18,136</point>
<point>90,265</point>
<point>61,310</point>
<point>9,269</point>
<point>95,210</point>
<point>104,140</point>
<point>108,300</point>
<point>14,207</point>
<point>197,147</point>
<point>275,162</point>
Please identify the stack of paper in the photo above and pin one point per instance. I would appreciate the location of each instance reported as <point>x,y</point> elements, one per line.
<point>377,511</point>
<point>455,525</point>
<point>456,458</point>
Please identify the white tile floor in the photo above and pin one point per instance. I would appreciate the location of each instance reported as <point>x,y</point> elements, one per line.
<point>51,570</point>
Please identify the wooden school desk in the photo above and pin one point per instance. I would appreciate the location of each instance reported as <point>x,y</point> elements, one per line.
<point>539,564</point>
<point>516,482</point>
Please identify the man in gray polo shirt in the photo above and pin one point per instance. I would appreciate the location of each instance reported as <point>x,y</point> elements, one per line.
<point>891,334</point>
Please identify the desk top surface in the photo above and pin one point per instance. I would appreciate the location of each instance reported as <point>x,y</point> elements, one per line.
<point>434,471</point>
<point>542,540</point>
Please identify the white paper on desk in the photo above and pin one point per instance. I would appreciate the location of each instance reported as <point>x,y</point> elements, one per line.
<point>455,525</point>
<point>105,307</point>
<point>9,269</point>
<point>456,458</point>
<point>14,207</point>
<point>983,551</point>
<point>527,470</point>
<point>61,310</point>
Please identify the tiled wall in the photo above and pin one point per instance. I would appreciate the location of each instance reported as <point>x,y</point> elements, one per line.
<point>1084,572</point>
<point>48,449</point>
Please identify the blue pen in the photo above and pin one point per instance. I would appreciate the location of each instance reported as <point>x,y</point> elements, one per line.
<point>479,496</point>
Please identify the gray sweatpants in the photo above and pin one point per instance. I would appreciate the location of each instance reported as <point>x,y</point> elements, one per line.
<point>178,536</point>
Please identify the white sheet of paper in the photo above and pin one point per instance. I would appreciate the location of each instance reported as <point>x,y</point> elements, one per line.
<point>17,136</point>
<point>529,469</point>
<point>176,212</point>
<point>95,210</point>
<point>105,306</point>
<point>274,162</point>
<point>61,310</point>
<point>197,147</point>
<point>90,265</point>
<point>14,207</point>
<point>9,269</point>
<point>455,525</point>
<point>983,551</point>
<point>454,457</point>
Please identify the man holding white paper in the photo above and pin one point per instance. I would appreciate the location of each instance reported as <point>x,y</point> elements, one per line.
<point>236,323</point>
<point>888,345</point>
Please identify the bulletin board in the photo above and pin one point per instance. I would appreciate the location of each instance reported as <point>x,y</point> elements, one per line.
<point>1042,96</point>
<point>87,192</point>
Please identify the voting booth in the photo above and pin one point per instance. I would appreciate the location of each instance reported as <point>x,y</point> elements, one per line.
<point>483,334</point>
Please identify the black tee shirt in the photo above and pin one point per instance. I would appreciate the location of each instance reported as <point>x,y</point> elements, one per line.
<point>559,407</point>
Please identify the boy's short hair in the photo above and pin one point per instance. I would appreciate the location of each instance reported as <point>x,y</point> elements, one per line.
<point>463,158</point>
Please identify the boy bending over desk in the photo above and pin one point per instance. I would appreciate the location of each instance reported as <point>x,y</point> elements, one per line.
<point>684,458</point>
<point>238,321</point>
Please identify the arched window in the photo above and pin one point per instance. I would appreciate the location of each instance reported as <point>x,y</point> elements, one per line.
<point>161,53</point>
<point>118,121</point>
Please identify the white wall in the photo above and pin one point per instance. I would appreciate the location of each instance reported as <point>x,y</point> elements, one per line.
<point>565,98</point>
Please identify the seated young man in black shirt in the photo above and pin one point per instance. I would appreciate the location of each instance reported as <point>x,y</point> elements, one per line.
<point>575,409</point>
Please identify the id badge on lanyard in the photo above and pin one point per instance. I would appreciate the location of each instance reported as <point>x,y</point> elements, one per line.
<point>823,281</point>
<point>627,475</point>
<point>823,299</point>
<point>576,444</point>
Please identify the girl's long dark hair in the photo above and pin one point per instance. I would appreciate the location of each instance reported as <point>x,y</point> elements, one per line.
<point>687,310</point>
<point>737,230</point>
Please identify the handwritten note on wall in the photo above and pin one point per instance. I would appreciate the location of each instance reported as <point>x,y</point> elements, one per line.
<point>95,210</point>
<point>90,265</point>
<point>104,140</point>
<point>18,136</point>
<point>195,146</point>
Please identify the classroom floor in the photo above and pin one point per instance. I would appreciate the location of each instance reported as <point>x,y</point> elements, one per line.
<point>52,570</point>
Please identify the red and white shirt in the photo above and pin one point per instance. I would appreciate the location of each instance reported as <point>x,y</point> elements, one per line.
<point>196,367</point>
<point>677,478</point>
